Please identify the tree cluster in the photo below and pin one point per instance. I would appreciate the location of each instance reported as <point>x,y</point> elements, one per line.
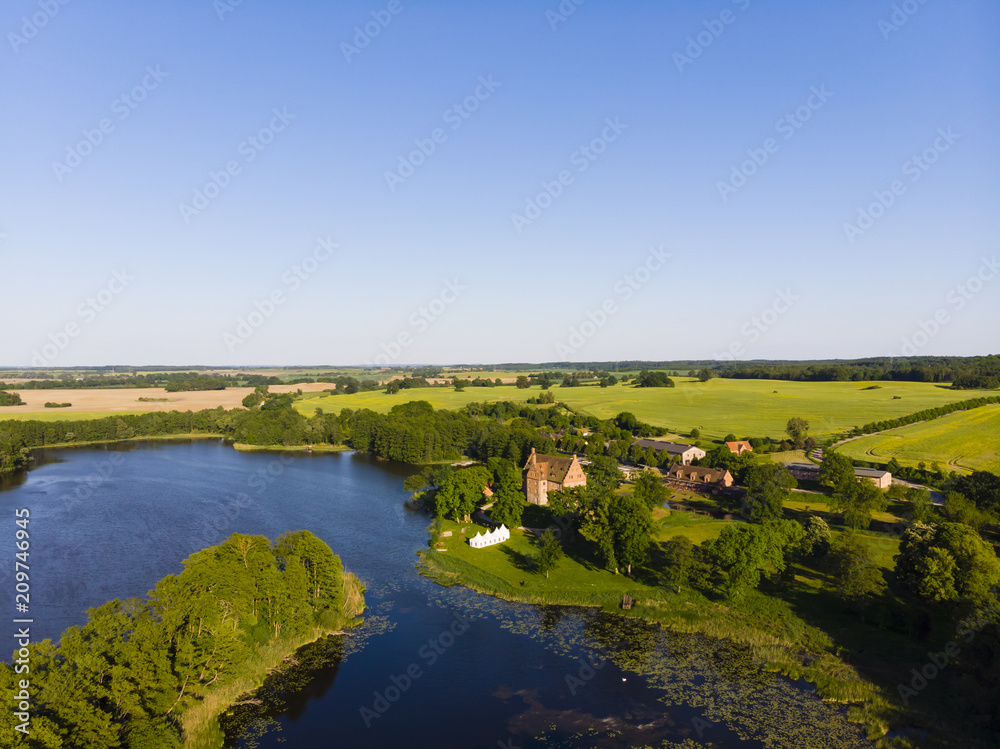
<point>124,678</point>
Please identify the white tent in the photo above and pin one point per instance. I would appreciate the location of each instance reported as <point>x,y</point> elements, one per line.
<point>496,536</point>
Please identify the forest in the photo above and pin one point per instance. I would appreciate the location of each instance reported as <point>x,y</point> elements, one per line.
<point>126,677</point>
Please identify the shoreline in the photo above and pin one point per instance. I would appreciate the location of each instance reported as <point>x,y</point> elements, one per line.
<point>805,656</point>
<point>199,724</point>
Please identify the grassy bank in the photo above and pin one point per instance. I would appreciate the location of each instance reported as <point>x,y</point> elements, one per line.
<point>200,723</point>
<point>291,448</point>
<point>795,625</point>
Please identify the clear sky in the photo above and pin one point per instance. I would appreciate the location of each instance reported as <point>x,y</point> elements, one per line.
<point>492,182</point>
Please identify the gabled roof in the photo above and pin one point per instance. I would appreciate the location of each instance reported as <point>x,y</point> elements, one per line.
<point>700,472</point>
<point>674,448</point>
<point>871,473</point>
<point>735,446</point>
<point>552,467</point>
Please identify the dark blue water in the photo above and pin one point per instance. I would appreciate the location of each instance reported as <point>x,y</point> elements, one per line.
<point>431,667</point>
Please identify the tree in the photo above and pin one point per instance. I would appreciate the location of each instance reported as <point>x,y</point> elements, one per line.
<point>631,527</point>
<point>817,540</point>
<point>678,553</point>
<point>767,490</point>
<point>461,492</point>
<point>859,578</point>
<point>695,433</point>
<point>522,382</point>
<point>836,469</point>
<point>459,384</point>
<point>508,506</point>
<point>958,509</point>
<point>742,551</point>
<point>729,438</point>
<point>936,575</point>
<point>975,574</point>
<point>798,429</point>
<point>704,375</point>
<point>982,488</point>
<point>604,472</point>
<point>650,489</point>
<point>621,527</point>
<point>549,553</point>
<point>857,500</point>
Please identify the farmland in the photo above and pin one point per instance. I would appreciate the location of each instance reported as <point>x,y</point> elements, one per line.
<point>99,402</point>
<point>964,441</point>
<point>716,407</point>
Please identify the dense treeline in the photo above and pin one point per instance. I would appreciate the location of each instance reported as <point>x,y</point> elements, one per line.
<point>964,372</point>
<point>10,399</point>
<point>124,678</point>
<point>170,381</point>
<point>411,432</point>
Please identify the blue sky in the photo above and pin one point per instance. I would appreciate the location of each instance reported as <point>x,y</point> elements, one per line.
<point>461,256</point>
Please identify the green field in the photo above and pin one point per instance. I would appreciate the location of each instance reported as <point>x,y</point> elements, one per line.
<point>716,407</point>
<point>964,441</point>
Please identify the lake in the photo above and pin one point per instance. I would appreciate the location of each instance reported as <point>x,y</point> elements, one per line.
<point>431,666</point>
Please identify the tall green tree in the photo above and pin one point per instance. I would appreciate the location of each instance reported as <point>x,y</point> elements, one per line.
<point>650,489</point>
<point>835,470</point>
<point>798,430</point>
<point>856,501</point>
<point>549,553</point>
<point>858,577</point>
<point>767,489</point>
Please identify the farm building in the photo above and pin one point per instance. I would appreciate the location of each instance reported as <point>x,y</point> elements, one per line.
<point>698,475</point>
<point>686,453</point>
<point>545,473</point>
<point>738,448</point>
<point>881,479</point>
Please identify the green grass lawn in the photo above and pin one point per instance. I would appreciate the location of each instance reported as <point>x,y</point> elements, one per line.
<point>716,407</point>
<point>698,528</point>
<point>964,441</point>
<point>505,569</point>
